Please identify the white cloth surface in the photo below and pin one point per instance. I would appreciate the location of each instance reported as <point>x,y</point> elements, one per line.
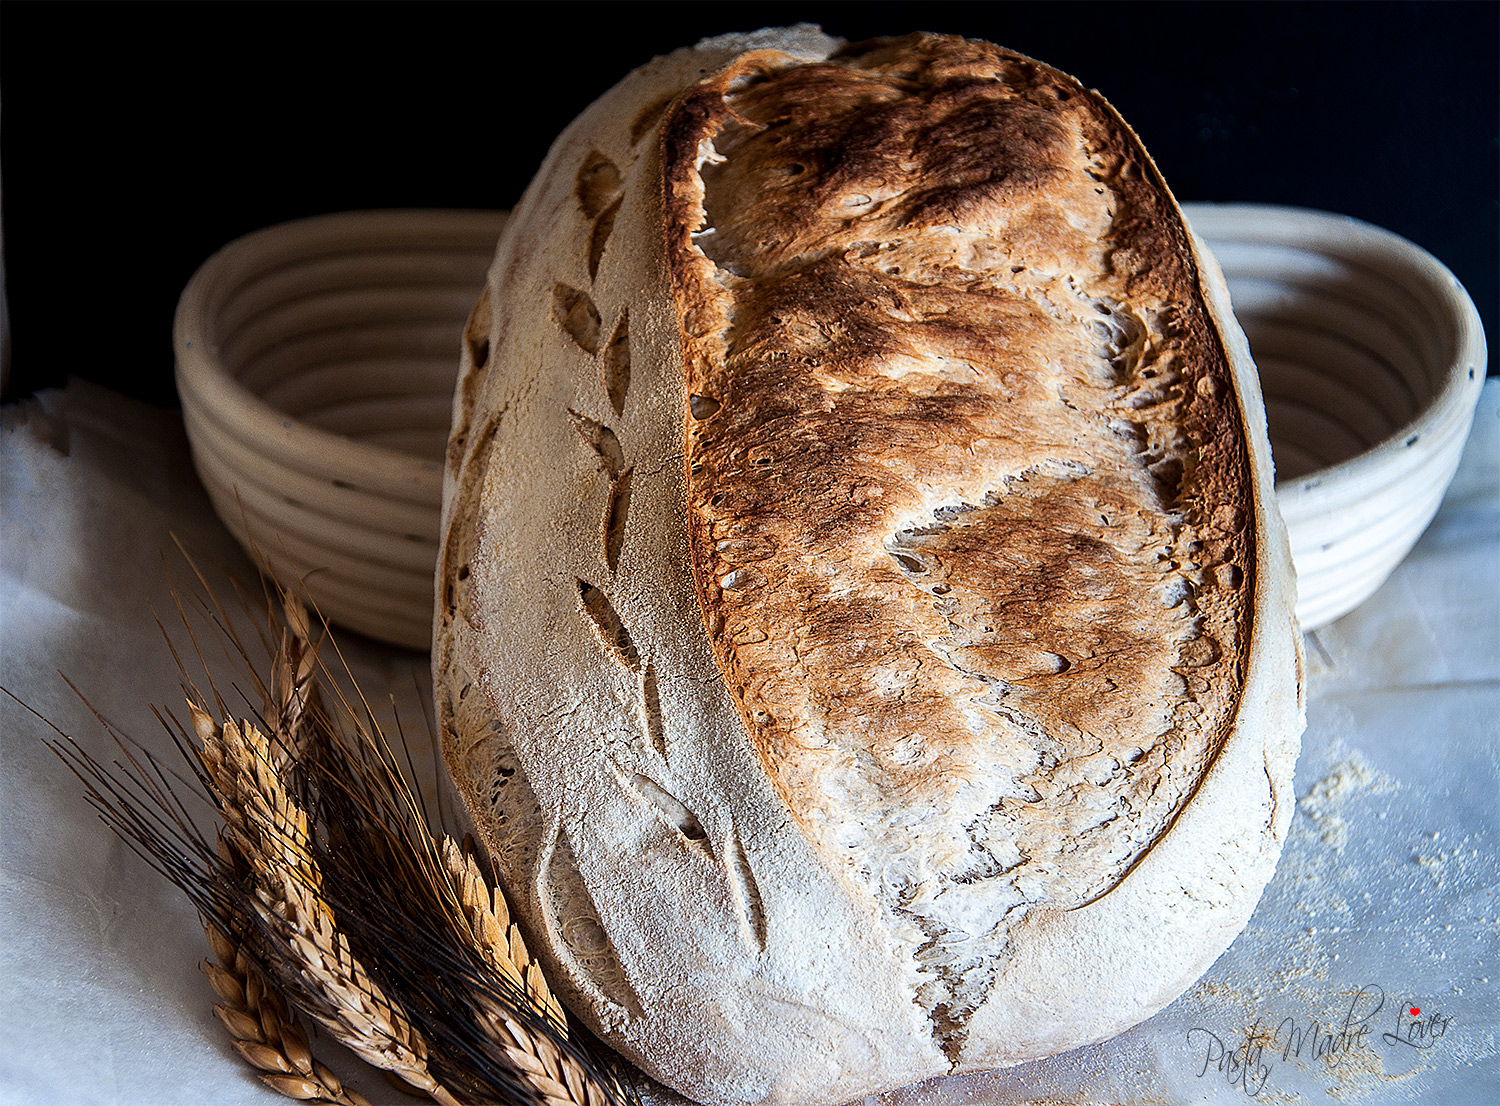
<point>1387,891</point>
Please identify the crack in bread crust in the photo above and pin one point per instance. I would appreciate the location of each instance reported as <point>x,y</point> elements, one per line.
<point>968,489</point>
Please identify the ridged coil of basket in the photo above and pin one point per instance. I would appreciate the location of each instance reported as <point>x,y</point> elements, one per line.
<point>1371,357</point>
<point>316,362</point>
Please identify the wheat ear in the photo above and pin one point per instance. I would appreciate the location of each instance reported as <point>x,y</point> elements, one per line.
<point>299,906</point>
<point>292,692</point>
<point>559,1078</point>
<point>495,937</point>
<point>264,1030</point>
<point>267,828</point>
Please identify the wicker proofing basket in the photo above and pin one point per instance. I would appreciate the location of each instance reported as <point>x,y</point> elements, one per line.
<point>1371,357</point>
<point>315,365</point>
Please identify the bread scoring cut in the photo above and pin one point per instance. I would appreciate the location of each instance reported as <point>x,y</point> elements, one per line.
<point>860,572</point>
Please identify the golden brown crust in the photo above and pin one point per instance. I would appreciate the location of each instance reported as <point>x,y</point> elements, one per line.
<point>967,483</point>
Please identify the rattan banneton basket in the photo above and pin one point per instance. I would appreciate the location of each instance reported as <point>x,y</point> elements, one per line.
<point>315,365</point>
<point>1371,358</point>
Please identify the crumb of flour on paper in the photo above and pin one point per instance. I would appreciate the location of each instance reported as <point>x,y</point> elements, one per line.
<point>1324,801</point>
<point>1442,859</point>
<point>1362,1073</point>
<point>1080,1098</point>
<point>1115,1071</point>
<point>1275,1096</point>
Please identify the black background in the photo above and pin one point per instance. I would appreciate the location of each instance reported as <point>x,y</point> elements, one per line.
<point>138,138</point>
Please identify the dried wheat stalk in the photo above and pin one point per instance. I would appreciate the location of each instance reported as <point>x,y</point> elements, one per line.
<point>267,829</point>
<point>557,1077</point>
<point>324,865</point>
<point>264,1030</point>
<point>560,1079</point>
<point>495,937</point>
<point>291,691</point>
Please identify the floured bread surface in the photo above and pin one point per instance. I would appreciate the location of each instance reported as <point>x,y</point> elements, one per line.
<point>864,636</point>
<point>968,487</point>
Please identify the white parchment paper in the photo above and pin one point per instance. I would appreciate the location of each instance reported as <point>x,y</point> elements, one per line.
<point>1385,902</point>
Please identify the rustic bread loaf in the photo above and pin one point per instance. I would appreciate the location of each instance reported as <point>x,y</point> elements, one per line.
<point>864,636</point>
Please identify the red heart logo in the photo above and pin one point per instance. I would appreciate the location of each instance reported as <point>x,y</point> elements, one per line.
<point>1415,1010</point>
